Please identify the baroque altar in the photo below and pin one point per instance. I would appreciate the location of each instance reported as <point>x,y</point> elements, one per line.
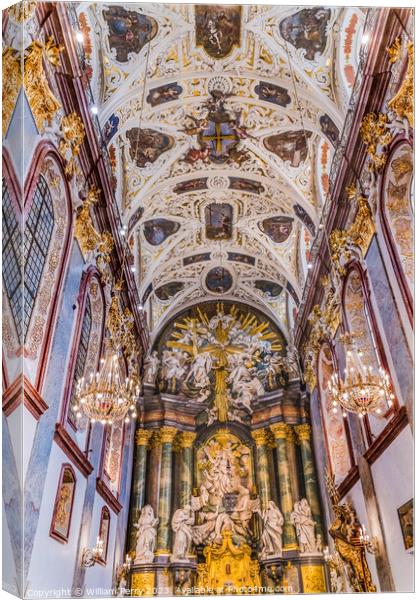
<point>225,494</point>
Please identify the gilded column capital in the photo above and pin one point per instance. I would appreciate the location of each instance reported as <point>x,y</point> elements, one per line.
<point>303,432</point>
<point>260,437</point>
<point>280,430</point>
<point>143,436</point>
<point>167,434</point>
<point>291,436</point>
<point>186,439</point>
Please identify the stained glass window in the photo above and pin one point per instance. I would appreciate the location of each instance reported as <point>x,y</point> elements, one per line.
<point>38,231</point>
<point>81,353</point>
<point>12,258</point>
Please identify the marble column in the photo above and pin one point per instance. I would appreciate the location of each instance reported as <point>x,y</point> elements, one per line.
<point>167,435</point>
<point>291,442</point>
<point>303,433</point>
<point>139,480</point>
<point>261,467</point>
<point>281,432</point>
<point>186,440</point>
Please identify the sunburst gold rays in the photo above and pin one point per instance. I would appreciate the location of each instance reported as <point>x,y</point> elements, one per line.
<point>200,325</point>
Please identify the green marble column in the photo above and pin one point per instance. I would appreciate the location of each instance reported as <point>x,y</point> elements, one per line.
<point>292,461</point>
<point>139,480</point>
<point>186,443</point>
<point>167,435</point>
<point>263,475</point>
<point>281,431</point>
<point>303,433</point>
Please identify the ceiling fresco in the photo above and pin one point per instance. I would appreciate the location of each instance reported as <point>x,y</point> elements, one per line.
<point>221,122</point>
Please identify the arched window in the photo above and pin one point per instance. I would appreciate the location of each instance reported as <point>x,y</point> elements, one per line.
<point>81,357</point>
<point>397,215</point>
<point>63,505</point>
<point>103,534</point>
<point>114,441</point>
<point>38,230</point>
<point>86,348</point>
<point>360,324</point>
<point>12,258</point>
<point>335,427</point>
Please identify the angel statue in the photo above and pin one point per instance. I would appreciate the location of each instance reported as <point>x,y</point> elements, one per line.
<point>146,535</point>
<point>305,526</point>
<point>151,367</point>
<point>182,522</point>
<point>271,538</point>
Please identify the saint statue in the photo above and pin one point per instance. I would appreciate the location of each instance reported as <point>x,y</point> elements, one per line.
<point>146,535</point>
<point>305,526</point>
<point>182,522</point>
<point>271,538</point>
<point>151,366</point>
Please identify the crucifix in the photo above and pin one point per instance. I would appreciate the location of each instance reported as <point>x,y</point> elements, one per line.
<point>220,349</point>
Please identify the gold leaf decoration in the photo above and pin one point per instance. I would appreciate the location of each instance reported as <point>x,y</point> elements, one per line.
<point>12,80</point>
<point>42,101</point>
<point>73,132</point>
<point>402,104</point>
<point>376,136</point>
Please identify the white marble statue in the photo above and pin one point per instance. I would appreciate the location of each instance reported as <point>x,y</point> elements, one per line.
<point>151,367</point>
<point>182,523</point>
<point>200,369</point>
<point>172,365</point>
<point>146,535</point>
<point>271,538</point>
<point>305,526</point>
<point>247,391</point>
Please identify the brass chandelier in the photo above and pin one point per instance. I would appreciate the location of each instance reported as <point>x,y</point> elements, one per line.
<point>362,390</point>
<point>105,396</point>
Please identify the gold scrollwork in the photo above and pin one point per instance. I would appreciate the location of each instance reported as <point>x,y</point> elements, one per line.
<point>394,51</point>
<point>42,101</point>
<point>12,80</point>
<point>402,104</point>
<point>228,569</point>
<point>90,240</point>
<point>376,135</point>
<point>313,579</point>
<point>73,132</point>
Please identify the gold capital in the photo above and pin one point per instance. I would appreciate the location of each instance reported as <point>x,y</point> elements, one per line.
<point>143,436</point>
<point>167,434</point>
<point>186,439</point>
<point>260,437</point>
<point>303,432</point>
<point>280,430</point>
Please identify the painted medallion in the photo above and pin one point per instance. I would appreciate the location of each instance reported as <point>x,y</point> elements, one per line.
<point>218,28</point>
<point>129,31</point>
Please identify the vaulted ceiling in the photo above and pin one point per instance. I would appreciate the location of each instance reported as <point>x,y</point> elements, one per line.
<point>236,220</point>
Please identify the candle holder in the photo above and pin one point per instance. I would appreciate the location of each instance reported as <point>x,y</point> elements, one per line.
<point>92,556</point>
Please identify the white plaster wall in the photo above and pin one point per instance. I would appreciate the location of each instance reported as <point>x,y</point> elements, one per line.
<point>393,475</point>
<point>355,496</point>
<point>9,577</point>
<point>99,577</point>
<point>14,423</point>
<point>21,141</point>
<point>52,563</point>
<point>29,429</point>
